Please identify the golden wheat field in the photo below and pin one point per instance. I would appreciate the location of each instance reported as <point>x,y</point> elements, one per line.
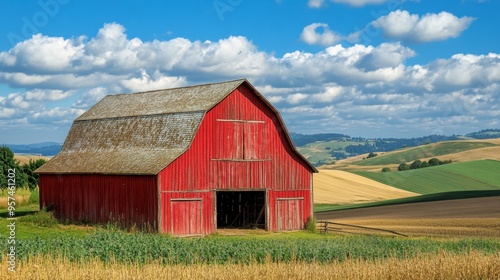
<point>442,265</point>
<point>341,187</point>
<point>24,159</point>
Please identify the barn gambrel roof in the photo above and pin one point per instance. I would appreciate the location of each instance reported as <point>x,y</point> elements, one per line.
<point>140,133</point>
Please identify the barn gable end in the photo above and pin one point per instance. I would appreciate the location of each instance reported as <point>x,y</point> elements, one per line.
<point>184,146</point>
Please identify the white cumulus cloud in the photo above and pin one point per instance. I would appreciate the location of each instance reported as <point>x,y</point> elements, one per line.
<point>150,82</point>
<point>402,25</point>
<point>340,88</point>
<point>319,34</point>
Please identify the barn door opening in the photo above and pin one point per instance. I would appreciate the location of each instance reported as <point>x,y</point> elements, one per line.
<point>241,209</point>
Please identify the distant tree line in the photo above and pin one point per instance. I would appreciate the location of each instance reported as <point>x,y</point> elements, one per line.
<point>338,155</point>
<point>421,164</point>
<point>303,139</point>
<point>391,144</point>
<point>484,134</point>
<point>25,176</point>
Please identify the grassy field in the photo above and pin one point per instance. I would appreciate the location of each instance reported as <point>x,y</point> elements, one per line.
<point>462,176</point>
<point>31,223</point>
<point>48,249</point>
<point>426,151</point>
<point>123,247</point>
<point>112,254</point>
<point>22,197</point>
<point>138,247</point>
<point>317,151</point>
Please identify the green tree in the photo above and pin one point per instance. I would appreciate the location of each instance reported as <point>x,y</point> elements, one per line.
<point>425,164</point>
<point>7,162</point>
<point>386,169</point>
<point>434,162</point>
<point>29,170</point>
<point>445,161</point>
<point>370,155</point>
<point>403,167</point>
<point>416,164</point>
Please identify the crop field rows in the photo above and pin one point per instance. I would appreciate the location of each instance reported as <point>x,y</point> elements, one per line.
<point>443,265</point>
<point>112,253</point>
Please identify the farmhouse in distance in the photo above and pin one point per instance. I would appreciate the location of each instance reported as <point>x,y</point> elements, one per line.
<point>183,161</point>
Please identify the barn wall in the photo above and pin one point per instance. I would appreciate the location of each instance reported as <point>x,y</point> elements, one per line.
<point>188,213</point>
<point>281,207</point>
<point>240,145</point>
<point>130,200</point>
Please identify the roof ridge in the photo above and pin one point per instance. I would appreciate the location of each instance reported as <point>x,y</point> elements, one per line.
<point>142,115</point>
<point>183,87</point>
<point>192,98</point>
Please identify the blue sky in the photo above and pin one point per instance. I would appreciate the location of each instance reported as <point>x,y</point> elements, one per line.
<point>371,68</point>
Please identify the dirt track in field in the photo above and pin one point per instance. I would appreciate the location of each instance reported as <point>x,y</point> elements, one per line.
<point>483,207</point>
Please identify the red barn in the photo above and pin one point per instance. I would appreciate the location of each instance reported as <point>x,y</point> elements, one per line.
<point>183,161</point>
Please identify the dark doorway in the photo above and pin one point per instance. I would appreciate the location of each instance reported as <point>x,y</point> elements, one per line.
<point>241,209</point>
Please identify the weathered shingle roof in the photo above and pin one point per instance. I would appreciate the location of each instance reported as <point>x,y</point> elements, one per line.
<point>99,145</point>
<point>166,101</point>
<point>139,133</point>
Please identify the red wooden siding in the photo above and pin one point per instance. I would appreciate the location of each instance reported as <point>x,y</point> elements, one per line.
<point>212,163</point>
<point>183,212</point>
<point>284,204</point>
<point>130,200</point>
<point>239,145</point>
<point>289,213</point>
<point>186,216</point>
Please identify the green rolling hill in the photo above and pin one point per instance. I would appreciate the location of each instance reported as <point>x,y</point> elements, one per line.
<point>426,151</point>
<point>462,176</point>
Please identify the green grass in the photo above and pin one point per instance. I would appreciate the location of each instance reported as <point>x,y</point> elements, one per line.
<point>414,199</point>
<point>34,196</point>
<point>433,150</point>
<point>32,222</point>
<point>463,176</point>
<point>39,234</point>
<point>141,248</point>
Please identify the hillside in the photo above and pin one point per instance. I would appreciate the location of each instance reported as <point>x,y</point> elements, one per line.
<point>462,176</point>
<point>321,149</point>
<point>456,151</point>
<point>341,187</point>
<point>475,167</point>
<point>427,151</point>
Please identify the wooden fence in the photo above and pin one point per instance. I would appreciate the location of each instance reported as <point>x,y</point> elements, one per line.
<point>331,227</point>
